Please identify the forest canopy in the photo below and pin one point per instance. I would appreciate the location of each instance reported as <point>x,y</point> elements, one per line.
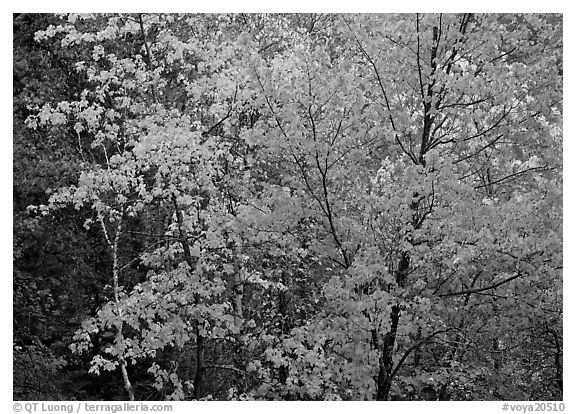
<point>287,207</point>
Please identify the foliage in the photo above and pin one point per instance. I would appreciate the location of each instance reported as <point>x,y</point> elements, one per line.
<point>304,207</point>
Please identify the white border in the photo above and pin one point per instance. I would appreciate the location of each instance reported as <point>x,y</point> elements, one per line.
<point>299,6</point>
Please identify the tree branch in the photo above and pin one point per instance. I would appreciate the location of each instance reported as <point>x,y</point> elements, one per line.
<point>494,286</point>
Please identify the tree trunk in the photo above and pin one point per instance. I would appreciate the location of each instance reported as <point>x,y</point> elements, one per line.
<point>386,362</point>
<point>127,384</point>
<point>200,366</point>
<point>238,288</point>
<point>116,286</point>
<point>200,340</point>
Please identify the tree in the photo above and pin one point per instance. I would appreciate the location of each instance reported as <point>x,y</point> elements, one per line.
<point>332,207</point>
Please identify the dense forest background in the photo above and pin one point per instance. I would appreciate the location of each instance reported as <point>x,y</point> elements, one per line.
<point>293,207</point>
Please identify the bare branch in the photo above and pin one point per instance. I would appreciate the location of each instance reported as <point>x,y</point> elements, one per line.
<point>494,286</point>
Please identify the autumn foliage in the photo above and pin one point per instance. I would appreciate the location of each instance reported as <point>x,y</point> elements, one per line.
<point>288,207</point>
